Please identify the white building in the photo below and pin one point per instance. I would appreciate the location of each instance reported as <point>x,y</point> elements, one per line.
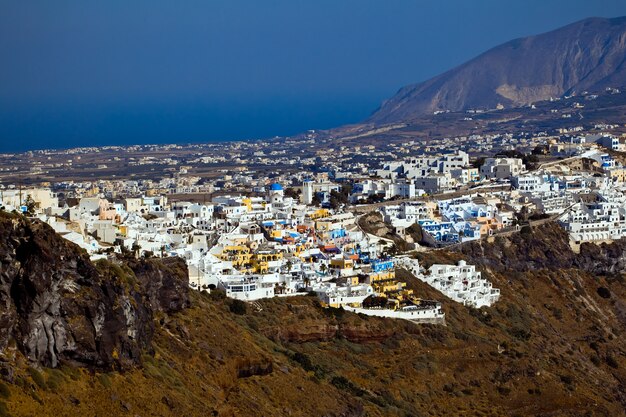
<point>462,283</point>
<point>501,168</point>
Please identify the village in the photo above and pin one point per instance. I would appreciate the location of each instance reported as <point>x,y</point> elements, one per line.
<point>300,233</point>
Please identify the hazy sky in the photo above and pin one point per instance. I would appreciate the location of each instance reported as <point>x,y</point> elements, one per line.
<point>99,72</point>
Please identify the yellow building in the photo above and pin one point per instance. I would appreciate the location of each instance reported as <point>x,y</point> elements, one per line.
<point>342,263</point>
<point>385,283</point>
<point>319,214</point>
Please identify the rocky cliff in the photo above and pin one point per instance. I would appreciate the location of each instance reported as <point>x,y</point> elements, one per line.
<point>58,307</point>
<point>587,55</point>
<point>546,247</point>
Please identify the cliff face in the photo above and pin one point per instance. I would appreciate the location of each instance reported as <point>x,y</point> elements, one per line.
<point>58,307</point>
<point>546,247</point>
<point>587,55</point>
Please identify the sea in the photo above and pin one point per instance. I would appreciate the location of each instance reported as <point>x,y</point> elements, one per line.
<point>54,125</point>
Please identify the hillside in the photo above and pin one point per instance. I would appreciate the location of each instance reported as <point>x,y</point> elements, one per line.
<point>543,116</point>
<point>551,347</point>
<point>589,55</point>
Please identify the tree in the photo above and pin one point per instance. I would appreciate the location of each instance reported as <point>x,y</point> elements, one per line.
<point>392,250</point>
<point>540,150</point>
<point>530,161</point>
<point>30,204</point>
<point>522,215</point>
<point>334,200</point>
<point>337,198</point>
<point>478,162</point>
<point>323,268</point>
<point>374,301</point>
<point>346,189</point>
<point>135,249</point>
<point>375,198</point>
<point>293,192</point>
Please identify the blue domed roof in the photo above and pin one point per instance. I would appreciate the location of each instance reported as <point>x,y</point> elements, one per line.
<point>276,187</point>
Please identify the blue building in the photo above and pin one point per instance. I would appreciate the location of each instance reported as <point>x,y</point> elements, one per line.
<point>382,265</point>
<point>337,233</point>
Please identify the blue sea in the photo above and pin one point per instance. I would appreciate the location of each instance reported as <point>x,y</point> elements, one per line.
<point>56,125</point>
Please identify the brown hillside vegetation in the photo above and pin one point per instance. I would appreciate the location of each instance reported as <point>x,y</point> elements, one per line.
<point>551,347</point>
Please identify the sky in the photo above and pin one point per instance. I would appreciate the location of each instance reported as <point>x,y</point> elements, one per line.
<point>86,72</point>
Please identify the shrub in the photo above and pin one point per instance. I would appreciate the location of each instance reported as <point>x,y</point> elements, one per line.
<point>36,397</point>
<point>345,384</point>
<point>37,377</point>
<point>253,324</point>
<point>610,360</point>
<point>4,390</point>
<point>73,373</point>
<point>218,294</point>
<point>3,410</point>
<point>21,382</point>
<point>520,333</point>
<point>604,292</point>
<point>595,360</point>
<point>55,378</point>
<point>104,380</point>
<point>238,307</point>
<point>333,312</point>
<point>304,361</point>
<point>449,388</point>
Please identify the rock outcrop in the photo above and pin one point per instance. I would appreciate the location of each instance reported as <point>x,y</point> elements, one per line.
<point>304,333</point>
<point>546,247</point>
<point>58,307</point>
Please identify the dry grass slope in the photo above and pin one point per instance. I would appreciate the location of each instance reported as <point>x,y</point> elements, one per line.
<point>551,347</point>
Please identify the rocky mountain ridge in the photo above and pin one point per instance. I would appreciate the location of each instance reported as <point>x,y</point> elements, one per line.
<point>589,55</point>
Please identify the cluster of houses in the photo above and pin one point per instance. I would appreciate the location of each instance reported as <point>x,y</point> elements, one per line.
<point>450,221</point>
<point>461,283</point>
<point>249,247</point>
<point>599,216</point>
<point>275,243</point>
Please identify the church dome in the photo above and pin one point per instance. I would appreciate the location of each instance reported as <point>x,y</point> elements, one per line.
<point>276,187</point>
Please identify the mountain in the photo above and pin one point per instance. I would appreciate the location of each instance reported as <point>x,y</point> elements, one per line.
<point>127,337</point>
<point>589,55</point>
